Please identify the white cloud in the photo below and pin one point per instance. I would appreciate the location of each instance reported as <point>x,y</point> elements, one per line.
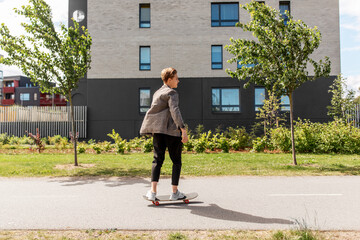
<point>353,82</point>
<point>351,8</point>
<point>12,21</point>
<point>351,49</point>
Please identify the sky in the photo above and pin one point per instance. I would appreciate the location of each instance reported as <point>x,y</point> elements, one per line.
<point>349,33</point>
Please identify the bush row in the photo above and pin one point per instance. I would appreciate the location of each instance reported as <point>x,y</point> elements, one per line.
<point>332,137</point>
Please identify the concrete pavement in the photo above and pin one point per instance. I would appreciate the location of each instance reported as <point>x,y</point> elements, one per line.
<point>323,203</point>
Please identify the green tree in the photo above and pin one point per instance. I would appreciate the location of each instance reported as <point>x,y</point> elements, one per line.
<point>55,61</point>
<point>269,114</point>
<point>278,56</point>
<point>342,100</point>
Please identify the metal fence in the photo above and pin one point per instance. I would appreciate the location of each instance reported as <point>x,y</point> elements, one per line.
<point>15,120</point>
<point>354,116</point>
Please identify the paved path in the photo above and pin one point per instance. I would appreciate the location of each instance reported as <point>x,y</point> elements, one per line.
<point>224,203</point>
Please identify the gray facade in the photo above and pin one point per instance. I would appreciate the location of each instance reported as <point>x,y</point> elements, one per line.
<point>181,36</point>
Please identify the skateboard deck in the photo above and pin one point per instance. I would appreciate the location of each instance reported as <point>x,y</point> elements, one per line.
<point>166,198</point>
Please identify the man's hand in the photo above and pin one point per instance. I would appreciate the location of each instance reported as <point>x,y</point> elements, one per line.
<point>184,135</point>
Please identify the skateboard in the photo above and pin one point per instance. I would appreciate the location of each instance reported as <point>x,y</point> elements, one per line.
<point>166,198</point>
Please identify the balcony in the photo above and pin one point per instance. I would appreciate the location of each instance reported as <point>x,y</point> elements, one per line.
<point>49,102</point>
<point>8,102</point>
<point>8,89</point>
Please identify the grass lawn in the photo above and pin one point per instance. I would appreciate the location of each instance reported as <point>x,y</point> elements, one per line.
<point>14,164</point>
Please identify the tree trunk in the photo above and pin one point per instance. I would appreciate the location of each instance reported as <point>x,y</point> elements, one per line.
<point>292,128</point>
<point>73,129</point>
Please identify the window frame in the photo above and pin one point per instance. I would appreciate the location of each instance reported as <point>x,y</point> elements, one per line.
<point>222,21</point>
<point>259,105</point>
<point>144,64</point>
<point>282,106</point>
<point>222,58</point>
<point>140,106</point>
<point>286,19</point>
<point>144,22</point>
<point>22,97</point>
<point>220,106</point>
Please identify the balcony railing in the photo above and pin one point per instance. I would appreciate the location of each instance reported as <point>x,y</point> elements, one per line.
<point>49,102</point>
<point>9,90</point>
<point>8,102</point>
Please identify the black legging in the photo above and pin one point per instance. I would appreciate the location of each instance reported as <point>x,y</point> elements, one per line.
<point>174,145</point>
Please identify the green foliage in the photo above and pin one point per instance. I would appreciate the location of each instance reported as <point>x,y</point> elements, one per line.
<point>63,143</point>
<point>55,139</point>
<point>147,145</point>
<point>279,54</point>
<point>97,148</point>
<point>189,145</point>
<point>269,114</point>
<point>239,137</point>
<point>332,137</point>
<point>177,236</point>
<point>280,139</point>
<point>260,144</point>
<point>342,100</point>
<point>201,143</point>
<point>92,142</point>
<point>4,138</point>
<point>54,61</point>
<point>120,144</point>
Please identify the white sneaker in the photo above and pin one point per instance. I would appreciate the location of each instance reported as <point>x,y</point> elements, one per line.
<point>151,195</point>
<point>177,196</point>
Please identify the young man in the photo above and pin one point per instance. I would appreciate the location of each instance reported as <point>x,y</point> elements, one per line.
<point>164,121</point>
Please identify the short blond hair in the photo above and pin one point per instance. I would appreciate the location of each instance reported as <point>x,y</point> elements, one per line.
<point>167,73</point>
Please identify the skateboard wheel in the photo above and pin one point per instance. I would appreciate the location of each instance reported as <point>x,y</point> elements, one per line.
<point>186,201</point>
<point>157,203</point>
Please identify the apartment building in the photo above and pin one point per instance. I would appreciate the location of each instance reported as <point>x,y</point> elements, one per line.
<point>133,40</point>
<point>19,90</point>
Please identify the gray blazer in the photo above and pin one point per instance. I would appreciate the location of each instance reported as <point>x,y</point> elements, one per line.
<point>164,114</point>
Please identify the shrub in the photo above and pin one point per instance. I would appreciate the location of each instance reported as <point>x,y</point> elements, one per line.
<point>201,143</point>
<point>259,144</point>
<point>280,138</point>
<point>224,145</point>
<point>147,145</point>
<point>4,138</point>
<point>189,145</point>
<point>240,136</point>
<point>97,148</point>
<point>120,144</point>
<point>14,140</point>
<point>55,139</point>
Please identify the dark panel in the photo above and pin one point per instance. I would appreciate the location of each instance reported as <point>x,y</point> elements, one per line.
<point>114,103</point>
<point>77,5</point>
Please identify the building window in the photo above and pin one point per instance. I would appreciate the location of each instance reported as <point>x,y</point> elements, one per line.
<point>259,97</point>
<point>145,100</point>
<point>145,58</point>
<point>25,96</point>
<point>285,103</point>
<point>35,96</point>
<point>224,14</point>
<point>144,19</point>
<point>226,100</point>
<point>285,6</point>
<point>216,57</point>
